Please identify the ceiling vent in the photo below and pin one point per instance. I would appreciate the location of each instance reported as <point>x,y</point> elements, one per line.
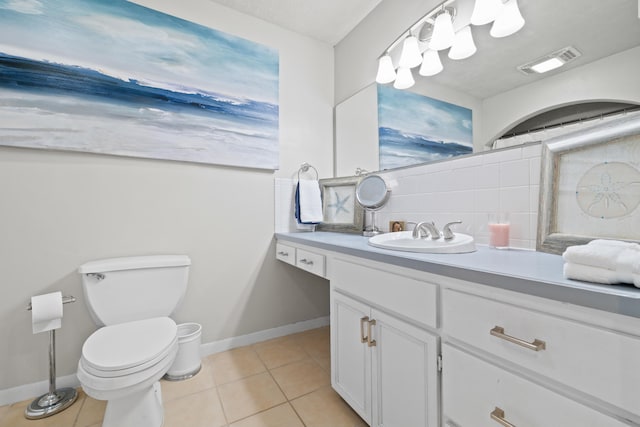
<point>550,61</point>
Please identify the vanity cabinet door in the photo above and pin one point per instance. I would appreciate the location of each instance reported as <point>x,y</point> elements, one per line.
<point>405,374</point>
<point>350,354</point>
<point>383,367</point>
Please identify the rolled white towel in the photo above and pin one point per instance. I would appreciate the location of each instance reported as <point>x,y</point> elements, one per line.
<point>588,273</point>
<point>628,265</point>
<point>596,255</point>
<point>618,243</point>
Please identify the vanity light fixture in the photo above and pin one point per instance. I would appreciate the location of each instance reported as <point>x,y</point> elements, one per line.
<point>463,47</point>
<point>431,64</point>
<point>386,72</point>
<point>410,56</point>
<point>509,20</point>
<point>405,79</point>
<point>443,34</point>
<point>485,11</point>
<point>436,31</point>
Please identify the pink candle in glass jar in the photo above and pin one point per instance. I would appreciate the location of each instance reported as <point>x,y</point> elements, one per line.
<point>499,235</point>
<point>499,230</point>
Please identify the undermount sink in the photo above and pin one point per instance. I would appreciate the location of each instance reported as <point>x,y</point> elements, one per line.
<point>404,241</point>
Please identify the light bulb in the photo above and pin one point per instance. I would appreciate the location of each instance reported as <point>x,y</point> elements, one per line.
<point>386,72</point>
<point>410,56</point>
<point>431,64</point>
<point>485,11</point>
<point>405,79</point>
<point>509,21</point>
<point>463,46</point>
<point>443,34</point>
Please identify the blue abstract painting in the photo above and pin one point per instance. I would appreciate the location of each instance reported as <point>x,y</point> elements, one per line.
<point>414,128</point>
<point>117,78</point>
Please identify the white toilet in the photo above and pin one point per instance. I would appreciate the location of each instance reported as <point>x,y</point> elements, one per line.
<point>131,298</point>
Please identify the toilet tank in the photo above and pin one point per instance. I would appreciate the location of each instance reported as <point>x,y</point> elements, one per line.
<point>134,288</point>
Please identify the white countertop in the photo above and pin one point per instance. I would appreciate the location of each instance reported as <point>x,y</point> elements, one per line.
<point>529,272</point>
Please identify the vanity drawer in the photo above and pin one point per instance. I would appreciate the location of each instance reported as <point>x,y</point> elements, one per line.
<point>473,389</point>
<point>406,296</point>
<point>286,253</point>
<point>310,261</point>
<point>596,361</point>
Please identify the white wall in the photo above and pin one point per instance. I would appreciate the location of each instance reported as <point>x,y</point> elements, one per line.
<point>58,210</point>
<point>614,78</point>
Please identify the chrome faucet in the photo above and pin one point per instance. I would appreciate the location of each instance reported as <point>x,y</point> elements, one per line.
<point>424,228</point>
<point>446,231</point>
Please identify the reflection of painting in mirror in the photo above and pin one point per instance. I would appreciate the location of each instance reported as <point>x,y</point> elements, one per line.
<point>414,128</point>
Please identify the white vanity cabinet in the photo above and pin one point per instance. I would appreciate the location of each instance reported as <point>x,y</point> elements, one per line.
<point>540,368</point>
<point>410,348</point>
<point>382,363</point>
<point>311,261</point>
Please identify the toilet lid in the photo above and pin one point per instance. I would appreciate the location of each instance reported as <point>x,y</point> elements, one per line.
<point>129,344</point>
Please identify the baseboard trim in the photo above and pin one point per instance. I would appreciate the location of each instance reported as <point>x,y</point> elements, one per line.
<point>267,334</point>
<point>31,391</point>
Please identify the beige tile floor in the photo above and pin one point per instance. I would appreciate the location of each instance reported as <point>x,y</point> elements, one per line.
<point>283,382</point>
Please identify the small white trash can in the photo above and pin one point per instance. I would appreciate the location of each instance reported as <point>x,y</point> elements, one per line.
<point>187,362</point>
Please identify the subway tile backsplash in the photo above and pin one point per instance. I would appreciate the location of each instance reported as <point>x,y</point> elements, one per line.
<point>468,189</point>
<point>464,189</point>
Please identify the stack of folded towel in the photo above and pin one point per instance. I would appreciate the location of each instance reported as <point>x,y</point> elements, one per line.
<point>603,261</point>
<point>308,202</point>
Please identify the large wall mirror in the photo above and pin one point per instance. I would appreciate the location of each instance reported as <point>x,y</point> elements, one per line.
<point>606,35</point>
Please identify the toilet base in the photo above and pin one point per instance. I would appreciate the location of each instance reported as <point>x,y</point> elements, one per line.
<point>141,409</point>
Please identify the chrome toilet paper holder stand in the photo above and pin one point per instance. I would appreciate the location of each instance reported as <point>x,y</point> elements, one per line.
<point>56,400</point>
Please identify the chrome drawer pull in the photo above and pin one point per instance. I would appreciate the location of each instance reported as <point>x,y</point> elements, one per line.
<point>498,415</point>
<point>536,345</point>
<point>283,253</point>
<point>306,262</point>
<point>370,342</point>
<point>363,339</point>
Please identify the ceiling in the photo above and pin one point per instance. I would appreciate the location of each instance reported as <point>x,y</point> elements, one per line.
<point>596,28</point>
<point>325,20</point>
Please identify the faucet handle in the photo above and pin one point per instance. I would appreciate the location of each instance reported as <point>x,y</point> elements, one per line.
<point>446,231</point>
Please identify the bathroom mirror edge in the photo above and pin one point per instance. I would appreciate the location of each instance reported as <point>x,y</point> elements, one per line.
<point>605,78</point>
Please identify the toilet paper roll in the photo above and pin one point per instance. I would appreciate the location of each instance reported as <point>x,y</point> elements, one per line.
<point>46,312</point>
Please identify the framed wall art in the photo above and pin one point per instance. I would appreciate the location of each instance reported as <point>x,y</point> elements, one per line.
<point>114,77</point>
<point>590,186</point>
<point>340,209</point>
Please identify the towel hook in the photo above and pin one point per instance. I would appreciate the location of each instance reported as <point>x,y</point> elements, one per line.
<point>304,167</point>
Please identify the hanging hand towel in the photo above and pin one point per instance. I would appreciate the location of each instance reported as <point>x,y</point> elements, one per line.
<point>308,202</point>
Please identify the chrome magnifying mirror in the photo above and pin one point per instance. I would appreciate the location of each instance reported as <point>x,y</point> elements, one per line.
<point>372,193</point>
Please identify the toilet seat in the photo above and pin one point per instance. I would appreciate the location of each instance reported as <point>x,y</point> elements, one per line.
<point>126,348</point>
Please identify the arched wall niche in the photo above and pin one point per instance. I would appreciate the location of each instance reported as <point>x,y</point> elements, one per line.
<point>569,115</point>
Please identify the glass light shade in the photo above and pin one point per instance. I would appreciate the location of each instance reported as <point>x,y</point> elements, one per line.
<point>443,34</point>
<point>485,11</point>
<point>410,56</point>
<point>463,46</point>
<point>405,79</point>
<point>509,21</point>
<point>386,72</point>
<point>431,64</point>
